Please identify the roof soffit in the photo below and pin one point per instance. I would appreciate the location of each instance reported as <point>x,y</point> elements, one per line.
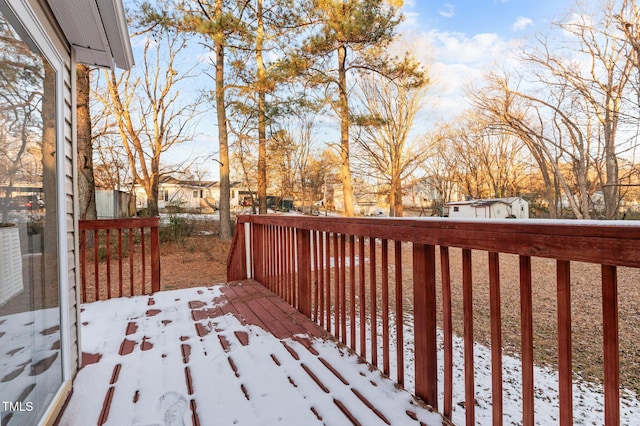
<point>97,31</point>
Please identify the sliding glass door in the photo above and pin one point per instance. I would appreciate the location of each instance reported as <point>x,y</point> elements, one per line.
<point>30,333</point>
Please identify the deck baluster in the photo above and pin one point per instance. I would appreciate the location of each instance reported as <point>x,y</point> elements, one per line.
<point>447,325</point>
<point>526,329</point>
<point>103,252</point>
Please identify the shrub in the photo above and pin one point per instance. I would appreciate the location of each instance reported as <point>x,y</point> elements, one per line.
<point>176,230</point>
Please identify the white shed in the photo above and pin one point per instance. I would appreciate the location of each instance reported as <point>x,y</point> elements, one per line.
<point>494,208</point>
<point>112,204</point>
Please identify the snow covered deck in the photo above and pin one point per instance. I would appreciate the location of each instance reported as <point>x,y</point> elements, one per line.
<point>228,354</point>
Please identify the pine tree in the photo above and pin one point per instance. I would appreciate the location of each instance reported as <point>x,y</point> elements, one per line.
<point>353,35</point>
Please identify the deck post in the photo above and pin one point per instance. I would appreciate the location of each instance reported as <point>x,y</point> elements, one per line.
<point>155,256</point>
<point>237,259</point>
<point>303,255</point>
<point>258,245</point>
<point>424,311</point>
<point>565,369</point>
<point>611,345</point>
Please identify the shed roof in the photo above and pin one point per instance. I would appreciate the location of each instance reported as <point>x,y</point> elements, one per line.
<point>484,202</point>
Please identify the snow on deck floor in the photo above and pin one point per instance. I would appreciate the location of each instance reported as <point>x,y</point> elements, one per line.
<point>223,355</point>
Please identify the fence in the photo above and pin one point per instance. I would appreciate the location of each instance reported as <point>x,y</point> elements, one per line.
<point>125,254</point>
<point>364,280</point>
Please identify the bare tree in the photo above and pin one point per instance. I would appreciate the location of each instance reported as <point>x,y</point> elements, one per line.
<point>243,156</point>
<point>111,167</point>
<point>218,23</point>
<point>440,168</point>
<point>386,140</point>
<point>569,106</point>
<point>500,108</point>
<point>549,124</point>
<point>293,141</point>
<point>148,112</point>
<point>596,68</point>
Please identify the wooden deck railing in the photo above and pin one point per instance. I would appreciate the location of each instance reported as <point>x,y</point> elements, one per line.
<point>338,271</point>
<point>125,254</point>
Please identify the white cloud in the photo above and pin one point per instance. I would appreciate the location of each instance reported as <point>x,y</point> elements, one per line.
<point>457,61</point>
<point>522,23</point>
<point>447,11</point>
<point>572,25</point>
<point>453,47</point>
<point>411,20</point>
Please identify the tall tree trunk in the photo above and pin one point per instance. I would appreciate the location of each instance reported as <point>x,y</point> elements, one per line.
<point>225,185</point>
<point>395,197</point>
<point>345,172</point>
<point>262,116</point>
<point>151,187</point>
<point>152,200</point>
<point>583,187</point>
<point>86,183</point>
<point>549,186</point>
<point>611,190</point>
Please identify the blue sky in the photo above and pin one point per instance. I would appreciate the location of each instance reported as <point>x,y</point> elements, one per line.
<point>503,17</point>
<point>461,40</point>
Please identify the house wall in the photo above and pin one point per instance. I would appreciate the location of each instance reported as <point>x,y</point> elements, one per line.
<point>520,208</point>
<point>179,196</point>
<point>464,211</point>
<point>500,210</point>
<point>52,247</point>
<point>112,204</point>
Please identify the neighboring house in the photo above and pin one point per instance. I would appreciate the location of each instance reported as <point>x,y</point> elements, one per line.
<point>365,201</point>
<point>429,191</point>
<point>494,208</point>
<point>186,195</point>
<point>41,42</point>
<point>199,196</point>
<point>238,192</point>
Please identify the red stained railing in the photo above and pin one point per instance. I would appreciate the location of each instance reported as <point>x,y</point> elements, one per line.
<point>119,257</point>
<point>338,271</point>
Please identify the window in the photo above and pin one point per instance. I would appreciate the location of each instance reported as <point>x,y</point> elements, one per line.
<point>195,193</point>
<point>166,195</point>
<point>456,208</point>
<point>30,312</point>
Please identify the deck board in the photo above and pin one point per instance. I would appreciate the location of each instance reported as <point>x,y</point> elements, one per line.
<point>229,354</point>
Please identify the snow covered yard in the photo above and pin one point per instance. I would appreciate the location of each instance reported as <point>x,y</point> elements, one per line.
<point>228,354</point>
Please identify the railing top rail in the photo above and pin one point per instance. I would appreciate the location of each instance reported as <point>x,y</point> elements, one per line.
<point>124,223</point>
<point>609,243</point>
